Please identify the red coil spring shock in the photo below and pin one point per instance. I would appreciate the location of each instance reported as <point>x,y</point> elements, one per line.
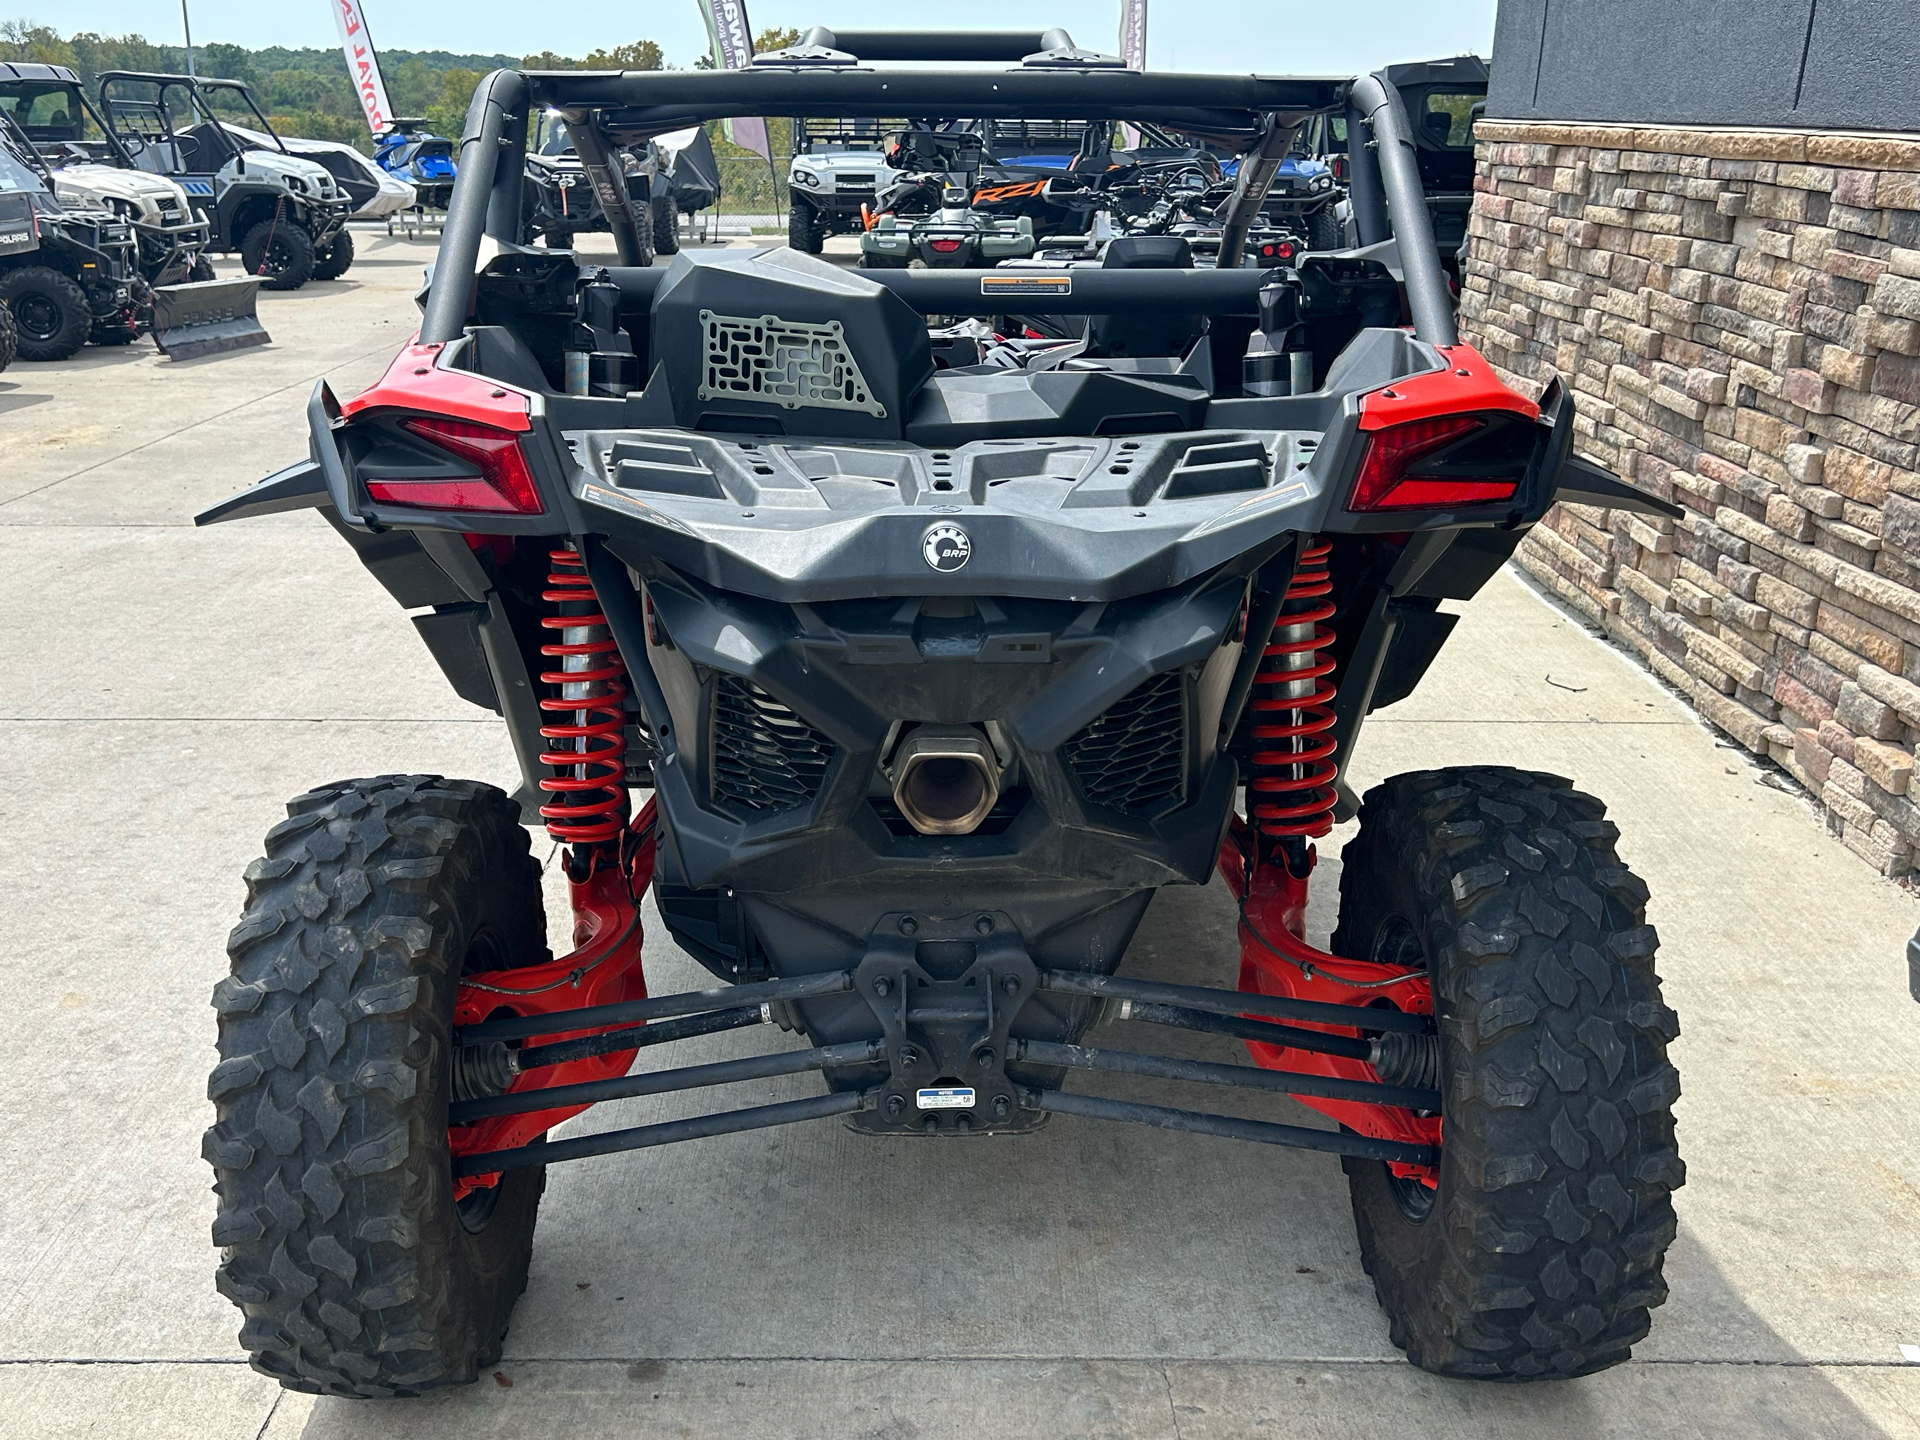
<point>590,753</point>
<point>1291,792</point>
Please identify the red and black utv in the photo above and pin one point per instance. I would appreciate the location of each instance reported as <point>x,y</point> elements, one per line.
<point>904,668</point>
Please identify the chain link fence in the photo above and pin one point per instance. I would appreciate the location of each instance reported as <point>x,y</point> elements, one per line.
<point>752,190</point>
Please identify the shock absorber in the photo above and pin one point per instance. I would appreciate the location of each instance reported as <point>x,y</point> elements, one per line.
<point>586,733</point>
<point>1290,793</point>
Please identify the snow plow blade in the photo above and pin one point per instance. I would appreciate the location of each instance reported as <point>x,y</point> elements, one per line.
<point>206,317</point>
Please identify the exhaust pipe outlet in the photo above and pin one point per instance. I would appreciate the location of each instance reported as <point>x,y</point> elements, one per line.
<point>945,783</point>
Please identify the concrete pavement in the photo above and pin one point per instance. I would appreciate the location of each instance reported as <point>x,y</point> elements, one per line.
<point>163,690</point>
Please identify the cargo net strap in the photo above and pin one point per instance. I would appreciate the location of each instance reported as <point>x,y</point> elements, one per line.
<point>795,363</point>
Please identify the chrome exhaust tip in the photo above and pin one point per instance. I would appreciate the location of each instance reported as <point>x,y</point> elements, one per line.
<point>945,784</point>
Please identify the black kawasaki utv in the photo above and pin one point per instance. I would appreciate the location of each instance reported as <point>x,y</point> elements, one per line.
<point>67,276</point>
<point>904,683</point>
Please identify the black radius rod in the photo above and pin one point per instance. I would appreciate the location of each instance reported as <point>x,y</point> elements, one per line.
<point>657,1007</point>
<point>1234,1002</point>
<point>642,1137</point>
<point>1166,1067</point>
<point>661,1082</point>
<point>636,1037</point>
<point>1298,1137</point>
<point>1318,1041</point>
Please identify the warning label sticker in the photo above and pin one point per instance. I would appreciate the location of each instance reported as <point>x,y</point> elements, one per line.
<point>1026,285</point>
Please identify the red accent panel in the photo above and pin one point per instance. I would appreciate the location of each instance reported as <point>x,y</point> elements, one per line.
<point>416,381</point>
<point>1273,907</point>
<point>1468,383</point>
<point>604,969</point>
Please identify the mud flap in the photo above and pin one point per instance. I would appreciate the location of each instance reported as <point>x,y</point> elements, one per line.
<point>206,317</point>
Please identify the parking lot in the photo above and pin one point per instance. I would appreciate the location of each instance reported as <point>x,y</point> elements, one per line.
<point>167,688</point>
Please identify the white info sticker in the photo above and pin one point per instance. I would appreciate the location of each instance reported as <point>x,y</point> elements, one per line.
<point>946,1097</point>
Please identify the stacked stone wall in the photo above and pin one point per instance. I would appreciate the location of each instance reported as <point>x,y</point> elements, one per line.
<point>1738,315</point>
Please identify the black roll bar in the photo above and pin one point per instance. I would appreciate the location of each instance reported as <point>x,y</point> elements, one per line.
<point>1363,179</point>
<point>499,107</point>
<point>1250,188</point>
<point>486,197</point>
<point>1427,294</point>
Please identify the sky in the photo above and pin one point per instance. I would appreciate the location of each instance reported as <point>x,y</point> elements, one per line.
<point>1267,36</point>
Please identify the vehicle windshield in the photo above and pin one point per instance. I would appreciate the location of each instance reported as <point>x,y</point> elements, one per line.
<point>551,136</point>
<point>50,112</point>
<point>1447,118</point>
<point>15,175</point>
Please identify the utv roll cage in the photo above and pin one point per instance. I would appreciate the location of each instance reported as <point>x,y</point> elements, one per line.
<point>826,76</point>
<point>205,126</point>
<point>17,76</point>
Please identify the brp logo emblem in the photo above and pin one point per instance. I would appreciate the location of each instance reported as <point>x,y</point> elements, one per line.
<point>946,548</point>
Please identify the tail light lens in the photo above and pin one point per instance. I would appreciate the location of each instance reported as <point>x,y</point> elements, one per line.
<point>501,481</point>
<point>944,247</point>
<point>1276,250</point>
<point>1442,463</point>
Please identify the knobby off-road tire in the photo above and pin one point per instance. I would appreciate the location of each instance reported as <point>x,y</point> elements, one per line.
<point>803,228</point>
<point>1540,1253</point>
<point>1324,230</point>
<point>333,259</point>
<point>666,225</point>
<point>357,1273</point>
<point>51,315</point>
<point>279,252</point>
<point>9,337</point>
<point>201,269</point>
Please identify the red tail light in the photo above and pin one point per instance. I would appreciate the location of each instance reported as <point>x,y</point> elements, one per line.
<point>501,481</point>
<point>1423,464</point>
<point>1277,250</point>
<point>944,247</point>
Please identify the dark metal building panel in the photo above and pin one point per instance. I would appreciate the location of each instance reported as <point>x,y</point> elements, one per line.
<point>1807,64</point>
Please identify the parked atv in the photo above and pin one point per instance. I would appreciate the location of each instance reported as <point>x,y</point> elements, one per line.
<point>92,171</point>
<point>956,236</point>
<point>67,276</point>
<point>423,160</point>
<point>286,216</point>
<point>904,690</point>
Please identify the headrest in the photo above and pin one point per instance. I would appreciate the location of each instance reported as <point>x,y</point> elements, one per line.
<point>1148,252</point>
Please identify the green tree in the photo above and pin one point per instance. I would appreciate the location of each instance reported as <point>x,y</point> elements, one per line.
<point>228,62</point>
<point>640,55</point>
<point>41,44</point>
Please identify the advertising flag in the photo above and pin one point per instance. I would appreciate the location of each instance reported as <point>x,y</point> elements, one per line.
<point>1133,33</point>
<point>363,64</point>
<point>732,39</point>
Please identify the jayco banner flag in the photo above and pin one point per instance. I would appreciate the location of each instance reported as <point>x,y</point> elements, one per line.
<point>363,64</point>
<point>732,39</point>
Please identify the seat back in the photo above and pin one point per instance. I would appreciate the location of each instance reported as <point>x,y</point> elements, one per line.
<point>1138,335</point>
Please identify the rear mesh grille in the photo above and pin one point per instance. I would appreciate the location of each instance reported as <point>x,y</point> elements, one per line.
<point>1134,756</point>
<point>765,757</point>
